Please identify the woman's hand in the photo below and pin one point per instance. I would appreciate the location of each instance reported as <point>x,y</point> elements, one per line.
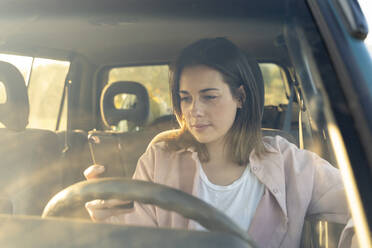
<point>94,171</point>
<point>104,210</point>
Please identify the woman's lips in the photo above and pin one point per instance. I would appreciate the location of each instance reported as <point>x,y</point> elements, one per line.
<point>200,127</point>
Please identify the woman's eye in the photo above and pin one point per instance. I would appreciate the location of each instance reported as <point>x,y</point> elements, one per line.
<point>185,99</point>
<point>210,97</point>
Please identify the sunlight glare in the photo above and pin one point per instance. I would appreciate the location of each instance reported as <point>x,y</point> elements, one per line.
<point>3,96</point>
<point>353,197</point>
<point>22,63</point>
<point>366,6</point>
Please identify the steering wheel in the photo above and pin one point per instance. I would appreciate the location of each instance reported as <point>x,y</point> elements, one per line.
<point>147,193</point>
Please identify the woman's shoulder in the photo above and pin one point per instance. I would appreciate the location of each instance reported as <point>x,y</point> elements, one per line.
<point>162,137</point>
<point>161,142</point>
<point>291,156</point>
<point>294,158</point>
<point>278,143</point>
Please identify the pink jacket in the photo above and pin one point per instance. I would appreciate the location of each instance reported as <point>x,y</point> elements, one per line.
<point>298,185</point>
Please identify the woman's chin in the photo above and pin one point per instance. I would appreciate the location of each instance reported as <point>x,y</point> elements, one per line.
<point>203,139</point>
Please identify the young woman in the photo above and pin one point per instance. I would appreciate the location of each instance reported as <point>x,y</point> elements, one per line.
<point>265,184</point>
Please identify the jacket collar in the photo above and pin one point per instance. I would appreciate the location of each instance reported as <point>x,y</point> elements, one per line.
<point>269,169</point>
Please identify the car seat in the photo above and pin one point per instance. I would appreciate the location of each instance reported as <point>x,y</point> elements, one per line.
<point>29,175</point>
<point>75,155</point>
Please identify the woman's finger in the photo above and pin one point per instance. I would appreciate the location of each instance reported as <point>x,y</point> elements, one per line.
<point>100,204</point>
<point>96,214</point>
<point>93,171</point>
<point>103,210</point>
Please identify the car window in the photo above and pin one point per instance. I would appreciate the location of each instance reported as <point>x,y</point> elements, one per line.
<point>321,132</point>
<point>23,64</point>
<point>44,79</point>
<point>156,80</point>
<point>45,92</point>
<point>275,84</point>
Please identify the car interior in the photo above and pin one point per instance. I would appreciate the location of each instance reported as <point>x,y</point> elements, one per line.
<point>110,119</point>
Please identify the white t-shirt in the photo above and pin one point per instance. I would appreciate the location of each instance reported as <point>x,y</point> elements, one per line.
<point>238,200</point>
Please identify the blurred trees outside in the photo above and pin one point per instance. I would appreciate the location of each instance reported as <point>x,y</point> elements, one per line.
<point>275,91</point>
<point>47,82</point>
<point>156,80</point>
<point>45,93</point>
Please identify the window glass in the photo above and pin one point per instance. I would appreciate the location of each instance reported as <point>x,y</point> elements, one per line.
<point>45,92</point>
<point>319,88</point>
<point>125,101</point>
<point>275,91</point>
<point>45,81</point>
<point>23,64</point>
<point>156,80</point>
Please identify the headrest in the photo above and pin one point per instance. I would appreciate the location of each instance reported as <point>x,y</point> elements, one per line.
<point>137,113</point>
<point>14,112</point>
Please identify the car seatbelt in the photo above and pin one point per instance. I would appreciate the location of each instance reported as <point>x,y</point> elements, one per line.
<point>300,133</point>
<point>288,113</point>
<point>95,140</point>
<point>65,96</point>
<point>302,108</point>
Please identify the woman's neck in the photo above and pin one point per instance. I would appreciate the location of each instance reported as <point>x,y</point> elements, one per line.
<point>220,169</point>
<point>218,155</point>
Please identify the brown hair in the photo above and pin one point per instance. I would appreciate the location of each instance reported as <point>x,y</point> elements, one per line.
<point>237,70</point>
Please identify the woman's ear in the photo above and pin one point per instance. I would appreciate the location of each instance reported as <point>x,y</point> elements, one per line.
<point>240,96</point>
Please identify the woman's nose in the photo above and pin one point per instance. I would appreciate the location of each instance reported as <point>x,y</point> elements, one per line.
<point>196,108</point>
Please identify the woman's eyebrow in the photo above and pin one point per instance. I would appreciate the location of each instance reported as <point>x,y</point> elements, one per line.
<point>208,89</point>
<point>201,91</point>
<point>183,92</point>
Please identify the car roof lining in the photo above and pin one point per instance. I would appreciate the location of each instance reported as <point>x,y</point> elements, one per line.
<point>141,31</point>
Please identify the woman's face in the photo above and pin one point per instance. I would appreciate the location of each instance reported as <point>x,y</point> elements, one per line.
<point>207,104</point>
